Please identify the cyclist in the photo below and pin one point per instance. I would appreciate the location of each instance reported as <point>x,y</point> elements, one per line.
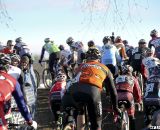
<point>29,84</point>
<point>149,64</point>
<point>120,46</point>
<point>69,41</point>
<point>128,89</point>
<point>154,43</point>
<point>56,93</point>
<point>18,44</point>
<point>9,48</point>
<point>64,59</point>
<point>91,44</point>
<point>128,48</point>
<point>15,59</point>
<point>106,40</point>
<point>87,86</point>
<point>80,52</point>
<point>54,54</point>
<point>9,86</point>
<point>138,54</point>
<point>152,90</point>
<point>13,68</point>
<point>110,55</point>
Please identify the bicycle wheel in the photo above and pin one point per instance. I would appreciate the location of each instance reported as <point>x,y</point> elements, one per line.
<point>37,77</point>
<point>125,121</point>
<point>47,78</point>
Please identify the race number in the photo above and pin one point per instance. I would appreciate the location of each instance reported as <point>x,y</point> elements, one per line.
<point>149,88</point>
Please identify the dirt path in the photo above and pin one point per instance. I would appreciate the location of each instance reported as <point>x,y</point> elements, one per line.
<point>44,116</point>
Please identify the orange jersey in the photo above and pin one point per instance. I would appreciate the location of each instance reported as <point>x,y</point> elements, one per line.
<point>93,73</point>
<point>122,50</point>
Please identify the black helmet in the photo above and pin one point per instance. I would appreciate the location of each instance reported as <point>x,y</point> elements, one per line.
<point>125,42</point>
<point>19,39</point>
<point>142,41</point>
<point>5,61</point>
<point>69,41</point>
<point>93,54</point>
<point>46,40</point>
<point>106,39</point>
<point>153,33</point>
<point>91,43</point>
<point>61,47</point>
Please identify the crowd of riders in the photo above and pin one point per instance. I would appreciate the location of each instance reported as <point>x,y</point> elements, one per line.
<point>18,90</point>
<point>79,75</point>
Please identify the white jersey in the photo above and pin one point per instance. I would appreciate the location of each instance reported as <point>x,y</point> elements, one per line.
<point>152,66</point>
<point>14,71</point>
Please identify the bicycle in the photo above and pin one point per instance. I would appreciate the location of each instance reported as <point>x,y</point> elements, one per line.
<point>16,122</point>
<point>65,120</point>
<point>37,77</point>
<point>71,123</point>
<point>59,124</point>
<point>12,126</point>
<point>123,119</point>
<point>46,75</point>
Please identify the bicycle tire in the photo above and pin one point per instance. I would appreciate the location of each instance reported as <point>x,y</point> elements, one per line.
<point>47,78</point>
<point>125,121</point>
<point>37,77</point>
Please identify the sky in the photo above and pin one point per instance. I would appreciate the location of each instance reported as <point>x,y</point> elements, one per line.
<point>84,20</point>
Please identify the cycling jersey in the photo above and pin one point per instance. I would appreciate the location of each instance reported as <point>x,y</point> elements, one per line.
<point>150,67</point>
<point>121,48</point>
<point>136,59</point>
<point>156,44</point>
<point>14,71</point>
<point>7,51</point>
<point>92,73</point>
<point>51,47</point>
<point>125,83</point>
<point>9,86</point>
<point>110,55</point>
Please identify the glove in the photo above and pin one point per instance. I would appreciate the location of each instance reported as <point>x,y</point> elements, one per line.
<point>40,61</point>
<point>117,110</point>
<point>32,124</point>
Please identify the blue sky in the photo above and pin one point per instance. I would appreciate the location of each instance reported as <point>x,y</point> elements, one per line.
<point>34,20</point>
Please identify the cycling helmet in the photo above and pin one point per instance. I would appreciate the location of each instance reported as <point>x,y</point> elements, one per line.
<point>15,56</point>
<point>10,43</point>
<point>19,39</point>
<point>106,39</point>
<point>126,69</point>
<point>91,43</point>
<point>61,47</point>
<point>125,42</point>
<point>93,54</point>
<point>46,40</point>
<point>118,39</point>
<point>5,61</point>
<point>61,77</point>
<point>142,41</point>
<point>153,33</point>
<point>69,40</point>
<point>149,52</point>
<point>74,44</point>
